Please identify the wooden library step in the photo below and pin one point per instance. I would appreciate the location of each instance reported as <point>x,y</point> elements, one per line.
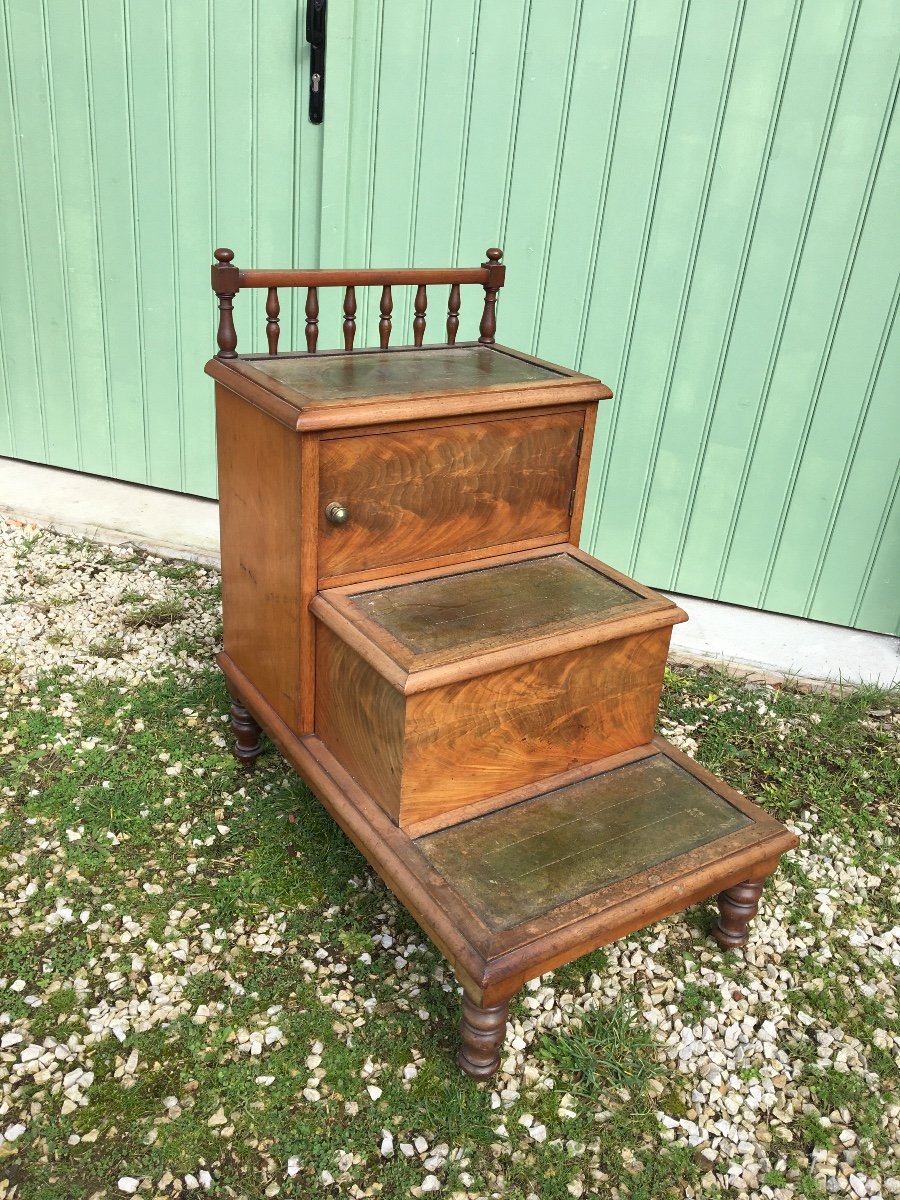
<point>451,687</point>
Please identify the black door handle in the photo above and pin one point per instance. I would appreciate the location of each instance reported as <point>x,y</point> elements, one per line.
<point>316,16</point>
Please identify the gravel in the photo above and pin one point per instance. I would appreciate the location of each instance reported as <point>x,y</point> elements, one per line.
<point>737,1068</point>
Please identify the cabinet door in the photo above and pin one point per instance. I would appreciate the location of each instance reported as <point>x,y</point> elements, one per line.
<point>415,495</point>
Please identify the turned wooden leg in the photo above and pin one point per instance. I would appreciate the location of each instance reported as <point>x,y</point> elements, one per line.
<point>738,906</point>
<point>247,746</point>
<point>483,1031</point>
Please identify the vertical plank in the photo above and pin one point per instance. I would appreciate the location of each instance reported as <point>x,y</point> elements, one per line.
<point>80,286</point>
<point>191,149</point>
<point>17,319</point>
<point>111,107</point>
<point>848,587</point>
<point>753,78</point>
<point>627,241</point>
<point>828,320</point>
<point>156,209</point>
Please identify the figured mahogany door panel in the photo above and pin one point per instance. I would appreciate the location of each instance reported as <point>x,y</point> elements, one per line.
<point>410,495</point>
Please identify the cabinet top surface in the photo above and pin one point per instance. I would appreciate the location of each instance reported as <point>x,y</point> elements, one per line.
<point>327,379</point>
<point>337,389</point>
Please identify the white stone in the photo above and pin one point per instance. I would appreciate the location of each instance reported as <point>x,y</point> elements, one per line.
<point>430,1183</point>
<point>128,1184</point>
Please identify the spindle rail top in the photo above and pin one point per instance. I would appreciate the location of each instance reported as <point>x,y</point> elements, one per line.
<point>227,280</point>
<point>340,388</point>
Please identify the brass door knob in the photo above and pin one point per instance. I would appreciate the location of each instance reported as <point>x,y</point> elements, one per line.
<point>337,513</point>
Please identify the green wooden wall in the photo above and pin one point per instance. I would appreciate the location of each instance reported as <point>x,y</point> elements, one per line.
<point>134,137</point>
<point>697,200</point>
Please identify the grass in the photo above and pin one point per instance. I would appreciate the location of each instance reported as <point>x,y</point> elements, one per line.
<point>204,886</point>
<point>609,1049</point>
<point>155,615</point>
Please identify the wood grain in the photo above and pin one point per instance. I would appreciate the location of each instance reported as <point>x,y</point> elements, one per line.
<point>584,468</point>
<point>480,808</point>
<point>259,518</point>
<point>494,733</point>
<point>360,718</point>
<point>446,489</point>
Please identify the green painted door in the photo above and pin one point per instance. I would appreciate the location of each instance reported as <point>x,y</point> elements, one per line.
<point>696,200</point>
<point>135,135</point>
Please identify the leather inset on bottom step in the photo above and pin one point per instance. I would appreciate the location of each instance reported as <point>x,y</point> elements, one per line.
<point>515,864</point>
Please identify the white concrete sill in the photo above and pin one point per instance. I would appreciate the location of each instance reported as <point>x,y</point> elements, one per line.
<point>175,526</point>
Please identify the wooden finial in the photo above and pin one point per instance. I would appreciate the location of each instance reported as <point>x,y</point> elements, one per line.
<point>226,283</point>
<point>496,273</point>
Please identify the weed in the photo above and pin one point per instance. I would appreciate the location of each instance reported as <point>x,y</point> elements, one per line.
<point>610,1049</point>
<point>154,616</point>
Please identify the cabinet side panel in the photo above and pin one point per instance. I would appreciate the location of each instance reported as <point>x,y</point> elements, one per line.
<point>259,519</point>
<point>481,737</point>
<point>359,717</point>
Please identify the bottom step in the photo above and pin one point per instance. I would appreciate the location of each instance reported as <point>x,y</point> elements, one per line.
<point>515,864</point>
<point>512,893</point>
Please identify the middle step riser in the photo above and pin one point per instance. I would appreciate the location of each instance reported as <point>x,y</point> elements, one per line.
<point>433,751</point>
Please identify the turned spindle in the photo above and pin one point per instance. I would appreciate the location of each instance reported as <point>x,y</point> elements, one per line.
<point>247,744</point>
<point>482,1031</point>
<point>420,305</point>
<point>349,317</point>
<point>738,906</point>
<point>386,308</point>
<point>312,318</point>
<point>273,311</point>
<point>453,314</point>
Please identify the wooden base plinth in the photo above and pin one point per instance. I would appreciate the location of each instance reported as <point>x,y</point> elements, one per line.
<point>500,929</point>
